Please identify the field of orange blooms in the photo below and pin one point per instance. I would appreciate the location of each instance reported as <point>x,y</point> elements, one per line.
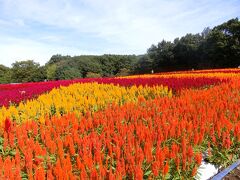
<point>154,126</point>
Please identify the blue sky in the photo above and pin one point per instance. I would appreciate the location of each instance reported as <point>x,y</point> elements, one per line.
<point>38,29</point>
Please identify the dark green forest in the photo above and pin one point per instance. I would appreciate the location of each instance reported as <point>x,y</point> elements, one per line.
<point>218,47</point>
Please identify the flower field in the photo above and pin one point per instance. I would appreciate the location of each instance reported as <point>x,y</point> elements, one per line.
<point>137,127</point>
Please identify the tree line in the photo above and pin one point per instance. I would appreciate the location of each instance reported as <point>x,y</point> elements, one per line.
<point>67,67</point>
<point>212,48</point>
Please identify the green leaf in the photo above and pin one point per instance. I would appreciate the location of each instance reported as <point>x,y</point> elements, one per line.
<point>148,173</point>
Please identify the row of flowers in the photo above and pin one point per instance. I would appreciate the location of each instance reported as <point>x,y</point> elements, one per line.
<point>15,93</point>
<point>79,98</point>
<point>213,73</point>
<point>161,138</point>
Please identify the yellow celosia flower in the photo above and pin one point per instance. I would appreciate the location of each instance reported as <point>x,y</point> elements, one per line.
<point>79,98</point>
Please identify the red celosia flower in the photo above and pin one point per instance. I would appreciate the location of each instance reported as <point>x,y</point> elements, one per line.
<point>198,158</point>
<point>177,162</point>
<point>190,152</point>
<point>40,174</point>
<point>155,167</point>
<point>138,172</point>
<point>194,171</point>
<point>7,126</point>
<point>166,169</point>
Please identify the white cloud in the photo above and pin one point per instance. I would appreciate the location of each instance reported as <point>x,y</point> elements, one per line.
<point>129,26</point>
<point>24,49</point>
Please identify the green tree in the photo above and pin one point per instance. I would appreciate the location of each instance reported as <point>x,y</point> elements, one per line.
<point>107,65</point>
<point>51,71</point>
<point>186,51</point>
<point>123,72</point>
<point>162,55</point>
<point>65,71</point>
<point>27,71</point>
<point>5,74</point>
<point>144,65</point>
<point>57,58</point>
<point>93,75</point>
<point>222,46</point>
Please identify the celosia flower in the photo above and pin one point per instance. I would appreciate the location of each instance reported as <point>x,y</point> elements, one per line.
<point>7,125</point>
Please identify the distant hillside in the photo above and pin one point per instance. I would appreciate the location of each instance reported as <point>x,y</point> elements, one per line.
<point>67,67</point>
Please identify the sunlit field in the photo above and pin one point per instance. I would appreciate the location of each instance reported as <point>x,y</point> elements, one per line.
<point>152,126</point>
